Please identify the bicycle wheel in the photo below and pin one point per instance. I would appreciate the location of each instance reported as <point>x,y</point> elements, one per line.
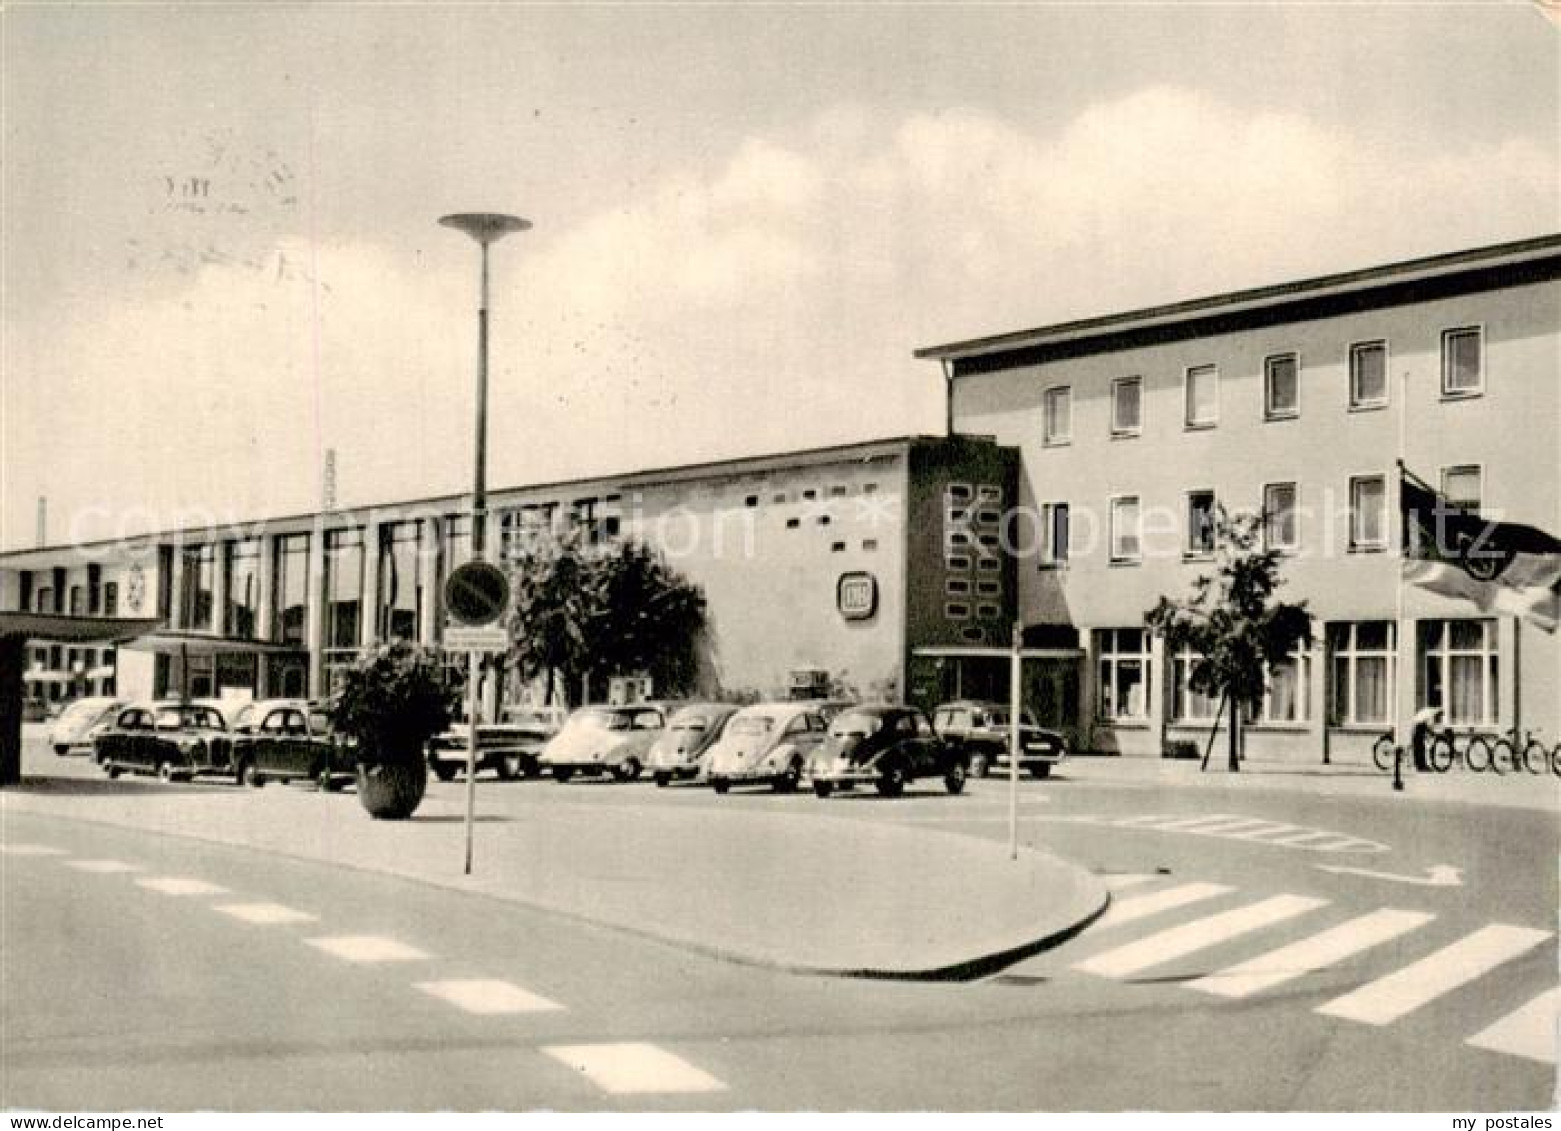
<point>1382,753</point>
<point>1479,756</point>
<point>1534,756</point>
<point>1441,753</point>
<point>1555,760</point>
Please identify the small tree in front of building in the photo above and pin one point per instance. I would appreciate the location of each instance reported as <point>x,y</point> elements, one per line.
<point>1232,623</point>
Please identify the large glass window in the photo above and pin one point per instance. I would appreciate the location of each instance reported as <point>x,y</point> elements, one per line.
<point>1054,534</point>
<point>1361,663</point>
<point>1463,373</point>
<point>1368,512</point>
<point>1187,704</point>
<point>1125,545</point>
<point>1200,523</point>
<point>401,580</point>
<point>1281,386</point>
<point>1459,670</point>
<point>1127,406</point>
<point>290,590</point>
<point>1368,374</point>
<point>1203,396</point>
<point>1288,697</point>
<point>241,579</point>
<point>197,589</point>
<point>1280,523</point>
<point>1057,415</point>
<point>1461,486</point>
<point>343,588</point>
<point>1123,658</point>
<point>457,537</point>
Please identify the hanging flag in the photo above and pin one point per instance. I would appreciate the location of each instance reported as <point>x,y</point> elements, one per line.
<point>1503,567</point>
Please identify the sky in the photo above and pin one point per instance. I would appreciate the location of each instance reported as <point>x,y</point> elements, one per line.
<point>221,255</point>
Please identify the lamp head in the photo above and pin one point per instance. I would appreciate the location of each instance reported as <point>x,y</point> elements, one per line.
<point>485,227</point>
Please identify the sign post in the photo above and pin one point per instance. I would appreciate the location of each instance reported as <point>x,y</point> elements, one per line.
<point>1015,669</point>
<point>477,596</point>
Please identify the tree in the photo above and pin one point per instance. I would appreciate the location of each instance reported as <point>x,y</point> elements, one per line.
<point>605,611</point>
<point>1232,623</point>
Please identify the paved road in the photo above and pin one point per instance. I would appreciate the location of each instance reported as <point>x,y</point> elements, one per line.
<point>1235,972</point>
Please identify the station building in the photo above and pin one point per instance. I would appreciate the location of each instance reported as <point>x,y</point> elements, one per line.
<point>1072,490</point>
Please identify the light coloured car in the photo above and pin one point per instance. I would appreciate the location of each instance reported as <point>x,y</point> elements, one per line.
<point>766,744</point>
<point>81,722</point>
<point>603,740</point>
<point>682,751</point>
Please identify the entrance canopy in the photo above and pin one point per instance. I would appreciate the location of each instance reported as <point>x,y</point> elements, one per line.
<point>170,642</point>
<point>981,652</point>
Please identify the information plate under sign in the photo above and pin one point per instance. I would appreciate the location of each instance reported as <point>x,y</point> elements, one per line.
<point>481,638</point>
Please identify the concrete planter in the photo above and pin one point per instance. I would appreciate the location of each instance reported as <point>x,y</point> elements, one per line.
<point>392,791</point>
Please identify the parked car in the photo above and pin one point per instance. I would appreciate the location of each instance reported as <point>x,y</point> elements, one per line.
<point>682,751</point>
<point>81,722</point>
<point>286,740</point>
<point>510,750</point>
<point>172,740</point>
<point>766,744</point>
<point>887,746</point>
<point>604,740</point>
<point>982,730</point>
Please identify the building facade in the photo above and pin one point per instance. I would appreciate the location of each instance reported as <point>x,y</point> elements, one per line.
<point>1297,402</point>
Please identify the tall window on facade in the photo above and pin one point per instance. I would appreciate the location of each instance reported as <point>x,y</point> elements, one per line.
<point>1281,527</point>
<point>1127,406</point>
<point>290,589</point>
<point>1368,374</point>
<point>457,537</point>
<point>343,588</point>
<point>1054,534</point>
<point>1360,664</point>
<point>78,600</point>
<point>401,580</point>
<point>1288,695</point>
<point>1368,512</point>
<point>45,599</point>
<point>111,599</point>
<point>1188,705</point>
<point>241,578</point>
<point>1123,665</point>
<point>197,591</point>
<point>1203,396</point>
<point>1200,523</point>
<point>1463,356</point>
<point>1057,415</point>
<point>1281,386</point>
<point>1459,670</point>
<point>1461,486</point>
<point>1126,545</point>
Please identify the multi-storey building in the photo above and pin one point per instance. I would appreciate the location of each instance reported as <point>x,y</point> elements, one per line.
<point>1296,401</point>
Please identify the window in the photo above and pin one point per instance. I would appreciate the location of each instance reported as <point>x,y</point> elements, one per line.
<point>988,611</point>
<point>1461,486</point>
<point>1280,523</point>
<point>1288,695</point>
<point>1360,663</point>
<point>241,579</point>
<point>78,599</point>
<point>1458,670</point>
<point>401,581</point>
<point>457,538</point>
<point>793,523</point>
<point>1463,355</point>
<point>290,588</point>
<point>837,547</point>
<point>1200,523</point>
<point>869,544</point>
<point>1203,396</point>
<point>957,587</point>
<point>1124,529</point>
<point>111,599</point>
<point>1189,705</point>
<point>1368,512</point>
<point>1369,374</point>
<point>45,599</point>
<point>1057,424</point>
<point>197,591</point>
<point>1281,387</point>
<point>343,588</point>
<point>956,611</point>
<point>1123,657</point>
<point>751,501</point>
<point>1127,406</point>
<point>1054,534</point>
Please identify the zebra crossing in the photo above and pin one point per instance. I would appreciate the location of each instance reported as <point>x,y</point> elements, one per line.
<point>1231,826</point>
<point>1176,920</point>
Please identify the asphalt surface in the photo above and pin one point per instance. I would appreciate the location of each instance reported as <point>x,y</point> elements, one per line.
<point>122,991</point>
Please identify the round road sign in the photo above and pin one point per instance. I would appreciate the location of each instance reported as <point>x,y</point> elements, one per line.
<point>476,593</point>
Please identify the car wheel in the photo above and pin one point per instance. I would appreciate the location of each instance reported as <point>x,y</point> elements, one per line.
<point>627,770</point>
<point>60,750</point>
<point>444,771</point>
<point>562,775</point>
<point>979,764</point>
<point>165,771</point>
<point>823,788</point>
<point>1041,770</point>
<point>512,766</point>
<point>501,768</point>
<point>891,782</point>
<point>954,780</point>
<point>663,780</point>
<point>720,785</point>
<point>788,781</point>
<point>111,770</point>
<point>251,776</point>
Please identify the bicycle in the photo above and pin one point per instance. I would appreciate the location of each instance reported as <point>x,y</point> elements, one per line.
<point>1383,752</point>
<point>1523,751</point>
<point>1476,753</point>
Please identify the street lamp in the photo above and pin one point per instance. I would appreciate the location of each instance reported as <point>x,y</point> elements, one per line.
<point>485,228</point>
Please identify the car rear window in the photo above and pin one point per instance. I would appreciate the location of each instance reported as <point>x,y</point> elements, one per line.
<point>857,724</point>
<point>752,724</point>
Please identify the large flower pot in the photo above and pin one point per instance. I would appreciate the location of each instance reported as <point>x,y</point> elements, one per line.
<point>392,791</point>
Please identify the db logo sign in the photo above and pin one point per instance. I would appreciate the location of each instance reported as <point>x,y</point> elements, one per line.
<point>856,595</point>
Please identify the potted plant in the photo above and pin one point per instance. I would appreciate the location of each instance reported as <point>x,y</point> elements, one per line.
<point>391,701</point>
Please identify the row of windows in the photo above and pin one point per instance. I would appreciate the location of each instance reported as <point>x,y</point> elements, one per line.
<point>1457,669</point>
<point>65,658</point>
<point>1368,526</point>
<point>1463,375</point>
<point>810,494</point>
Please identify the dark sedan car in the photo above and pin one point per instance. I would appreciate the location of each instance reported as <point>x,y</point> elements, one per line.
<point>286,740</point>
<point>888,747</point>
<point>983,731</point>
<point>175,741</point>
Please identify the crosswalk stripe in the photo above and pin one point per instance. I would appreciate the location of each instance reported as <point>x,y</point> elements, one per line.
<point>1139,906</point>
<point>265,914</point>
<point>367,948</point>
<point>1263,831</point>
<point>1177,942</point>
<point>1310,955</point>
<point>1142,819</point>
<point>1304,837</point>
<point>1117,881</point>
<point>1190,824</point>
<point>487,996</point>
<point>30,850</point>
<point>1528,1032</point>
<point>101,867</point>
<point>1224,828</point>
<point>1403,991</point>
<point>631,1068</point>
<point>180,885</point>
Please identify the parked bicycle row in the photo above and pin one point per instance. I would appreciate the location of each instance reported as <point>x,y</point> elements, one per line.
<point>1513,751</point>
